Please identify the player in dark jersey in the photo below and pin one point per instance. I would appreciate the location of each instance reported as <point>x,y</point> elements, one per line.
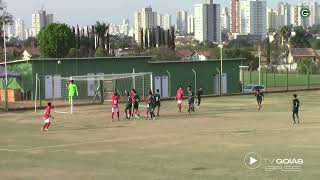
<point>136,106</point>
<point>199,94</point>
<point>260,98</point>
<point>191,96</point>
<point>295,109</point>
<point>128,105</point>
<point>157,99</point>
<point>151,105</point>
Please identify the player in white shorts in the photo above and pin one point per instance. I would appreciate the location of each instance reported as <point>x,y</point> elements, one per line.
<point>115,105</point>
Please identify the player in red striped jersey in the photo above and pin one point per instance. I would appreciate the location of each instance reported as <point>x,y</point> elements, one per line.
<point>115,105</point>
<point>46,117</point>
<point>179,97</point>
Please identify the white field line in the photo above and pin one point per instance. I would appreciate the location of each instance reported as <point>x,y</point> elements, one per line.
<point>149,137</point>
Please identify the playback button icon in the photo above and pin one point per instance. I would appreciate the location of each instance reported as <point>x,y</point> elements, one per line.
<point>252,160</point>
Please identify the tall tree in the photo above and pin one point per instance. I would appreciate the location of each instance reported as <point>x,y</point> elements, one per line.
<point>55,40</point>
<point>302,38</point>
<point>172,39</point>
<point>285,33</point>
<point>146,42</point>
<point>101,31</point>
<point>141,39</point>
<point>5,16</point>
<point>78,37</point>
<point>108,40</point>
<point>88,38</point>
<point>268,50</point>
<point>154,38</point>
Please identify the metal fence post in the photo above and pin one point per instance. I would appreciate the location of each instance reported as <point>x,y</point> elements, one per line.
<point>308,79</point>
<point>6,96</point>
<point>40,100</point>
<point>262,78</point>
<point>274,78</point>
<point>287,83</point>
<point>169,76</point>
<point>220,89</point>
<point>195,79</point>
<point>266,80</point>
<point>36,94</point>
<point>243,81</point>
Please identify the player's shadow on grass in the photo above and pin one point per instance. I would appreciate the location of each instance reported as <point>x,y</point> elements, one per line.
<point>199,168</point>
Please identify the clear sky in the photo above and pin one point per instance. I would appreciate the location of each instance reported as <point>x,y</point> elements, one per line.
<point>87,12</point>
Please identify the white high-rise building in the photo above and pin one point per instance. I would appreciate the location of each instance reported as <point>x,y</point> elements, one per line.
<point>40,20</point>
<point>258,17</point>
<point>225,19</point>
<point>190,24</point>
<point>245,16</point>
<point>182,23</point>
<point>317,13</point>
<point>19,29</point>
<point>114,29</point>
<point>27,33</point>
<point>253,17</point>
<point>159,19</point>
<point>284,10</point>
<point>207,22</point>
<point>10,30</point>
<point>125,27</point>
<point>274,19</point>
<point>164,21</point>
<point>143,20</point>
<point>294,15</point>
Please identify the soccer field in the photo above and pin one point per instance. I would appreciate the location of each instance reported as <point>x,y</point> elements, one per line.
<point>208,145</point>
<point>278,79</point>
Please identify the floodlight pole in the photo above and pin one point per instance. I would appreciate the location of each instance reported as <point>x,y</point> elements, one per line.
<point>5,66</point>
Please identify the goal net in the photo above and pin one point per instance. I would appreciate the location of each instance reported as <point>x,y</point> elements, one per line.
<point>96,89</point>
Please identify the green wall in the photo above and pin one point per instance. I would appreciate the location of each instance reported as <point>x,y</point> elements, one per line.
<point>181,74</point>
<point>181,71</point>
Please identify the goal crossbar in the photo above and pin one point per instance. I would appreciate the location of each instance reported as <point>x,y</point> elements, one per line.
<point>106,76</point>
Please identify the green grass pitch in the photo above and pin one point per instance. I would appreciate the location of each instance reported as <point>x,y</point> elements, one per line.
<point>275,80</point>
<point>208,145</point>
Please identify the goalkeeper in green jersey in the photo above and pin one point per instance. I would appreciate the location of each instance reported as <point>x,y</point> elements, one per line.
<point>73,90</point>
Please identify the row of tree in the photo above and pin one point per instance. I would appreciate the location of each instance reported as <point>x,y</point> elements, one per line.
<point>59,40</point>
<point>157,37</point>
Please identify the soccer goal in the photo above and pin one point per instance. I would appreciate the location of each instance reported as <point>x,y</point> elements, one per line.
<point>96,89</point>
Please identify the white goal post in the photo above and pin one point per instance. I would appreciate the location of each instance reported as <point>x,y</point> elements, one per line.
<point>95,88</point>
